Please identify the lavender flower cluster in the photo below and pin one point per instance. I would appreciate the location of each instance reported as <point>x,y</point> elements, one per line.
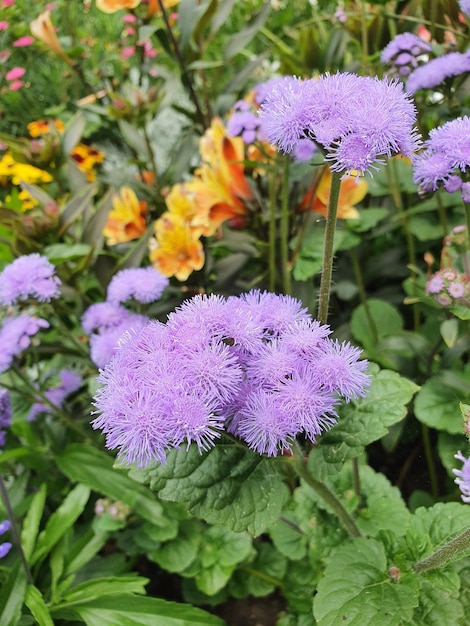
<point>356,120</point>
<point>404,53</point>
<point>463,477</point>
<point>256,366</point>
<point>106,321</point>
<point>5,546</point>
<point>445,159</point>
<point>15,336</point>
<point>449,287</point>
<point>5,415</point>
<point>70,381</point>
<point>435,72</point>
<point>31,275</point>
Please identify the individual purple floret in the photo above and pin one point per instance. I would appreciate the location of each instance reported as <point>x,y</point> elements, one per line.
<point>28,276</point>
<point>446,157</point>
<point>70,381</point>
<point>15,336</point>
<point>357,121</point>
<point>436,71</point>
<point>143,284</point>
<point>256,366</point>
<point>463,476</point>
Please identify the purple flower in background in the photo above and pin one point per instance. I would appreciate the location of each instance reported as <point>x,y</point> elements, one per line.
<point>104,315</point>
<point>70,381</point>
<point>256,366</point>
<point>448,287</point>
<point>404,42</point>
<point>356,120</point>
<point>29,276</point>
<point>436,71</point>
<point>104,344</point>
<point>304,150</point>
<point>465,6</point>
<point>15,336</point>
<point>5,417</point>
<point>463,476</point>
<point>244,123</point>
<point>5,526</point>
<point>5,548</point>
<point>143,284</point>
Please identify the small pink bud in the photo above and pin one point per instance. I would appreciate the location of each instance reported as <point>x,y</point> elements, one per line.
<point>23,42</point>
<point>15,73</point>
<point>15,85</point>
<point>4,25</point>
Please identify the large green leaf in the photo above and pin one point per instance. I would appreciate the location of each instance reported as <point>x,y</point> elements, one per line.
<point>35,603</point>
<point>100,587</point>
<point>437,403</point>
<point>129,610</point>
<point>229,486</point>
<point>32,520</point>
<point>363,421</point>
<point>12,593</point>
<point>437,607</point>
<point>357,590</point>
<point>237,42</point>
<point>384,317</point>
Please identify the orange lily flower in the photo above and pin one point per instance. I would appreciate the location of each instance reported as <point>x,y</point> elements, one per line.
<point>181,201</point>
<point>176,251</point>
<point>154,6</point>
<point>43,29</point>
<point>351,192</point>
<point>126,219</point>
<point>111,6</point>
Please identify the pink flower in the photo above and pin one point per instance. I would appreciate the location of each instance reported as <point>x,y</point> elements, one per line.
<point>127,53</point>
<point>15,73</point>
<point>148,50</point>
<point>129,18</point>
<point>23,42</point>
<point>128,31</point>
<point>4,25</point>
<point>15,85</point>
<point>4,55</point>
<point>7,3</point>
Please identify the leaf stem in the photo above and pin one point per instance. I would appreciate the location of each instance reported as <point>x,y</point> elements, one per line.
<point>449,551</point>
<point>328,250</point>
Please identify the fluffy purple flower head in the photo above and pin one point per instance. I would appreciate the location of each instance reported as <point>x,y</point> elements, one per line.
<point>436,71</point>
<point>28,276</point>
<point>15,336</point>
<point>143,284</point>
<point>465,6</point>
<point>404,42</point>
<point>104,344</point>
<point>256,366</point>
<point>463,476</point>
<point>70,381</point>
<point>104,315</point>
<point>356,120</point>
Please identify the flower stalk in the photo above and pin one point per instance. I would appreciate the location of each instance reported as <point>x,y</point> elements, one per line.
<point>450,551</point>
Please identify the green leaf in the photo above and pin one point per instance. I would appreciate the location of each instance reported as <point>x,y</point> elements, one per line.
<point>93,231</point>
<point>178,554</point>
<point>288,538</point>
<point>221,15</point>
<point>35,603</point>
<point>385,318</point>
<point>228,486</point>
<point>437,402</point>
<point>95,469</point>
<point>423,228</point>
<point>61,520</point>
<point>57,252</point>
<point>368,218</point>
<point>12,593</point>
<point>38,193</point>
<point>357,590</point>
<point>134,138</point>
<point>437,608</point>
<point>363,421</point>
<point>449,331</point>
<point>128,610</point>
<point>240,40</point>
<point>32,520</point>
<point>73,132</point>
<point>442,521</point>
<point>75,207</point>
<point>83,550</point>
<point>447,447</point>
<point>110,586</point>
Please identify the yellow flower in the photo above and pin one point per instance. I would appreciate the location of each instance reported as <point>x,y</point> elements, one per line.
<point>111,6</point>
<point>21,172</point>
<point>182,201</point>
<point>87,158</point>
<point>176,251</point>
<point>351,192</point>
<point>43,127</point>
<point>28,202</point>
<point>126,219</point>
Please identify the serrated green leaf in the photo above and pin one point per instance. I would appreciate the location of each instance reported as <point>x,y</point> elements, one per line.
<point>128,610</point>
<point>437,608</point>
<point>95,469</point>
<point>437,402</point>
<point>442,521</point>
<point>35,603</point>
<point>228,486</point>
<point>357,590</point>
<point>288,537</point>
<point>362,421</point>
<point>61,520</point>
<point>31,522</point>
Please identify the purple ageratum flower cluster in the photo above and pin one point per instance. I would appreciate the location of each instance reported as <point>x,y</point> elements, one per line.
<point>402,53</point>
<point>463,476</point>
<point>6,546</point>
<point>70,381</point>
<point>244,123</point>
<point>5,414</point>
<point>28,276</point>
<point>465,6</point>
<point>436,71</point>
<point>15,337</point>
<point>105,322</point>
<point>356,120</point>
<point>143,284</point>
<point>446,157</point>
<point>448,287</point>
<point>257,366</point>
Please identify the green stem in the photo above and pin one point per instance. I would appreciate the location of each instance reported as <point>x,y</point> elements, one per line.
<point>324,492</point>
<point>272,232</point>
<point>284,231</point>
<point>442,213</point>
<point>364,36</point>
<point>151,155</point>
<point>14,530</point>
<point>429,461</point>
<point>448,552</point>
<point>328,250</point>
<point>467,252</point>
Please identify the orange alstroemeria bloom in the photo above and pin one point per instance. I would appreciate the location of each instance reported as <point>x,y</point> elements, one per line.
<point>182,201</point>
<point>43,29</point>
<point>176,252</point>
<point>154,6</point>
<point>43,127</point>
<point>111,6</point>
<point>126,219</point>
<point>352,191</point>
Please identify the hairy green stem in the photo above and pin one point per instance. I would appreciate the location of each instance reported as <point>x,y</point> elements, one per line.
<point>467,252</point>
<point>284,231</point>
<point>272,232</point>
<point>328,250</point>
<point>429,460</point>
<point>300,466</point>
<point>448,552</point>
<point>14,530</point>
